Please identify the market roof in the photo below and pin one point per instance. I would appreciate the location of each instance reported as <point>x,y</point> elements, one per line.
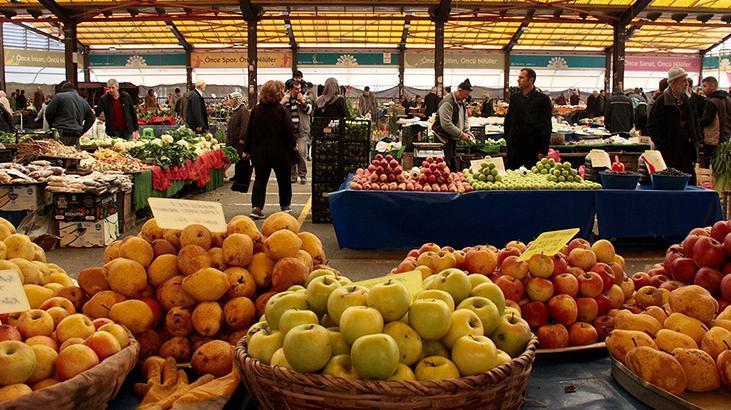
<point>661,25</point>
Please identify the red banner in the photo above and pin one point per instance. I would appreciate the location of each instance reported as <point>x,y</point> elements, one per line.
<point>689,63</point>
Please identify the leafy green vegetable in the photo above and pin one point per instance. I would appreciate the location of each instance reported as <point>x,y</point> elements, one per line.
<point>721,165</point>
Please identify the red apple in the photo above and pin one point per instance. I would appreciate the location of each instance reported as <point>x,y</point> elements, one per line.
<point>603,325</point>
<point>648,296</point>
<point>658,280</point>
<point>8,332</point>
<point>566,284</point>
<point>541,266</point>
<point>575,271</point>
<point>688,244</point>
<point>552,336</point>
<point>590,284</point>
<point>512,288</point>
<point>539,289</point>
<point>429,247</point>
<point>563,309</point>
<point>710,279</point>
<point>671,255</point>
<point>154,306</point>
<point>700,232</point>
<point>683,270</point>
<point>709,252</point>
<point>582,258</point>
<point>504,253</point>
<point>101,322</point>
<point>606,273</point>
<point>727,245</point>
<point>578,243</point>
<point>603,305</point>
<point>671,285</point>
<point>722,304</point>
<point>535,313</point>
<point>511,266</point>
<point>726,287</point>
<point>482,260</point>
<point>720,230</point>
<point>587,308</point>
<point>582,334</point>
<point>559,264</point>
<point>657,270</point>
<point>641,279</point>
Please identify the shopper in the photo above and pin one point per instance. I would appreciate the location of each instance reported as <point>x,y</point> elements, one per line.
<point>367,103</point>
<point>5,102</point>
<point>431,102</point>
<point>330,103</point>
<point>6,119</point>
<point>527,123</point>
<point>300,108</point>
<point>673,124</point>
<point>196,113</point>
<point>270,141</point>
<point>639,104</point>
<point>699,101</point>
<point>120,116</point>
<point>151,101</point>
<point>21,101</point>
<point>602,104</point>
<point>716,119</point>
<point>575,97</point>
<point>592,105</point>
<point>174,102</point>
<point>41,117</point>
<point>13,100</point>
<point>236,136</point>
<point>561,100</point>
<point>38,98</point>
<point>451,123</point>
<point>620,114</point>
<point>488,106</point>
<point>70,114</point>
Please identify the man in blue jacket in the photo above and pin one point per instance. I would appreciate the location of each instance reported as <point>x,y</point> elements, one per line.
<point>70,114</point>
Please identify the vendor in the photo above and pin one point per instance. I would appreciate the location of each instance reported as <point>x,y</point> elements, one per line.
<point>70,114</point>
<point>620,114</point>
<point>119,112</point>
<point>451,124</point>
<point>196,112</point>
<point>527,123</point>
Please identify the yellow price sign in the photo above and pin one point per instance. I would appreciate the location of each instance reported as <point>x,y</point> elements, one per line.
<point>549,243</point>
<point>412,280</point>
<point>12,295</point>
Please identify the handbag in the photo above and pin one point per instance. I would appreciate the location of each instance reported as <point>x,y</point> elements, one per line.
<point>242,176</point>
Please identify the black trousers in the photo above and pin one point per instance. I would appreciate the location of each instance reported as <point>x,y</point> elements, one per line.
<point>258,194</point>
<point>450,154</point>
<point>70,138</point>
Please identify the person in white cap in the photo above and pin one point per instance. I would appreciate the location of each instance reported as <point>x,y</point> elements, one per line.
<point>196,115</point>
<point>673,124</point>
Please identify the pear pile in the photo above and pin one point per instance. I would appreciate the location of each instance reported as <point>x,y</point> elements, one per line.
<point>684,345</point>
<point>458,325</point>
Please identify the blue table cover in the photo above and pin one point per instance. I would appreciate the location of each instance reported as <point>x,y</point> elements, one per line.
<point>647,213</point>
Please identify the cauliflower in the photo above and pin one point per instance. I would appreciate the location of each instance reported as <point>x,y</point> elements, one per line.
<point>183,143</point>
<point>214,141</point>
<point>167,138</point>
<point>157,142</point>
<point>215,147</point>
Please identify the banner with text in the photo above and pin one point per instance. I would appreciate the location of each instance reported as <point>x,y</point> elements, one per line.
<point>33,58</point>
<point>347,59</point>
<point>689,63</point>
<point>137,60</point>
<point>278,59</point>
<point>425,59</point>
<point>557,62</point>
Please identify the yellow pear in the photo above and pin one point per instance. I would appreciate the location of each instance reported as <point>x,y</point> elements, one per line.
<point>725,314</point>
<point>31,272</point>
<point>620,342</point>
<point>238,249</point>
<point>715,341</point>
<point>726,324</point>
<point>630,321</point>
<point>658,368</point>
<point>282,244</point>
<point>19,246</point>
<point>694,301</point>
<point>207,284</point>
<point>657,312</point>
<point>37,295</point>
<point>687,326</point>
<point>669,340</point>
<point>700,369</point>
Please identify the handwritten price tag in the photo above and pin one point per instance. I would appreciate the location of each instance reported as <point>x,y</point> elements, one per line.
<point>654,158</point>
<point>12,295</point>
<point>599,159</point>
<point>412,280</point>
<point>549,243</point>
<point>179,213</point>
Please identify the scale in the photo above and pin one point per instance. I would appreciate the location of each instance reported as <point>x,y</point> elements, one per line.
<point>428,149</point>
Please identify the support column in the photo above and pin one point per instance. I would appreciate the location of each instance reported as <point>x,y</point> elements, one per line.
<point>87,71</point>
<point>506,75</point>
<point>70,49</point>
<point>401,70</point>
<point>700,71</point>
<point>618,45</point>
<point>2,58</point>
<point>253,61</point>
<point>188,70</point>
<point>294,59</point>
<point>607,68</point>
<point>439,57</point>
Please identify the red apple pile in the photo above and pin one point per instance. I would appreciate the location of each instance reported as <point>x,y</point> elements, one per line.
<point>703,258</point>
<point>386,174</point>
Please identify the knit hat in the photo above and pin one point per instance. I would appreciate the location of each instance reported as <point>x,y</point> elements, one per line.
<point>466,85</point>
<point>675,73</point>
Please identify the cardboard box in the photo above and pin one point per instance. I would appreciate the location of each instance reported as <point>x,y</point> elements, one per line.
<point>127,217</point>
<point>89,234</point>
<point>83,207</point>
<point>28,197</point>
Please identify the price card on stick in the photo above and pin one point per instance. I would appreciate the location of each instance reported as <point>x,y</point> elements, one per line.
<point>549,243</point>
<point>654,158</point>
<point>599,159</point>
<point>412,280</point>
<point>12,295</point>
<point>179,213</point>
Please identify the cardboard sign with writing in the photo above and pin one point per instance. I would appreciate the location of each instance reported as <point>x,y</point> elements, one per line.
<point>599,159</point>
<point>498,161</point>
<point>179,213</point>
<point>412,280</point>
<point>549,243</point>
<point>654,158</point>
<point>12,295</point>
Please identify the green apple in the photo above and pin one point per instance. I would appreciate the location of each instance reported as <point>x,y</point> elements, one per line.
<point>426,283</point>
<point>295,288</point>
<point>358,321</point>
<point>453,281</point>
<point>295,317</point>
<point>408,341</point>
<point>477,279</point>
<point>486,311</point>
<point>433,348</point>
<point>318,291</point>
<point>392,298</point>
<point>263,318</point>
<point>307,348</point>
<point>340,366</point>
<point>375,356</point>
<point>509,310</point>
<point>437,294</point>
<point>503,358</point>
<point>345,297</point>
<point>430,318</point>
<point>463,322</point>
<point>326,321</point>
<point>282,302</point>
<point>317,273</point>
<point>436,368</point>
<point>512,335</point>
<point>344,281</point>
<point>474,354</point>
<point>278,359</point>
<point>402,372</point>
<point>337,342</point>
<point>492,292</point>
<point>256,327</point>
<point>263,344</point>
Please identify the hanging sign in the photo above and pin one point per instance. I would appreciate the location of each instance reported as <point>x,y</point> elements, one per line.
<point>279,59</point>
<point>32,58</point>
<point>549,243</point>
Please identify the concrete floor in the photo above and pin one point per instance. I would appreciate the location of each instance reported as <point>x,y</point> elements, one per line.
<point>356,264</point>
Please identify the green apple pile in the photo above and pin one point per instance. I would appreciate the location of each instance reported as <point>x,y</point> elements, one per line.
<point>458,325</point>
<point>546,174</point>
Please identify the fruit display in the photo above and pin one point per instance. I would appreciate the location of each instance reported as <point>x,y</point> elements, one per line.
<point>546,174</point>
<point>685,345</point>
<point>386,174</point>
<point>191,294</point>
<point>564,298</point>
<point>457,326</point>
<point>703,258</point>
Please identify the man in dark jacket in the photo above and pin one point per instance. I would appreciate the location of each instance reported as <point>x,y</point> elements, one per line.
<point>602,102</point>
<point>592,105</point>
<point>620,114</point>
<point>70,114</point>
<point>716,119</point>
<point>451,124</point>
<point>119,112</point>
<point>21,101</point>
<point>38,98</point>
<point>673,124</point>
<point>698,100</point>
<point>431,102</point>
<point>196,114</point>
<point>527,123</point>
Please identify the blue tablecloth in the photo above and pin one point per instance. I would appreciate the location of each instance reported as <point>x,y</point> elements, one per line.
<point>647,213</point>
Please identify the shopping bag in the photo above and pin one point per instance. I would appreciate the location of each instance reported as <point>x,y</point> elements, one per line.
<point>242,176</point>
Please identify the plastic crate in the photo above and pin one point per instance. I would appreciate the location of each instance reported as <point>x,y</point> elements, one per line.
<point>669,182</point>
<point>613,180</point>
<point>357,130</point>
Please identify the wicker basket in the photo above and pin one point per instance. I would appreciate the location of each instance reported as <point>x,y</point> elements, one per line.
<point>92,389</point>
<point>277,388</point>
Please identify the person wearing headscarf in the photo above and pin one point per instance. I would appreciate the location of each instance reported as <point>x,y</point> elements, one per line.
<point>6,114</point>
<point>330,103</point>
<point>236,135</point>
<point>5,102</point>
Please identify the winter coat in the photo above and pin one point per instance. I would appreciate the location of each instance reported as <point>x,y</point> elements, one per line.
<point>716,119</point>
<point>620,114</point>
<point>677,142</point>
<point>196,114</point>
<point>236,130</point>
<point>130,114</point>
<point>270,138</point>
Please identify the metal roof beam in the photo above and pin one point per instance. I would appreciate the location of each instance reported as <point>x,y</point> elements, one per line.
<point>519,32</point>
<point>251,12</point>
<point>38,31</point>
<point>174,29</point>
<point>723,40</point>
<point>405,34</point>
<point>57,10</point>
<point>633,11</point>
<point>290,34</point>
<point>441,12</point>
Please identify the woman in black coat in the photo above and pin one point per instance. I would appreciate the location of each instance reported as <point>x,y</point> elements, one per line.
<point>270,142</point>
<point>238,124</point>
<point>330,103</point>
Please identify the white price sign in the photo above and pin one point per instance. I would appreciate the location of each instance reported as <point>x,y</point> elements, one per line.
<point>179,213</point>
